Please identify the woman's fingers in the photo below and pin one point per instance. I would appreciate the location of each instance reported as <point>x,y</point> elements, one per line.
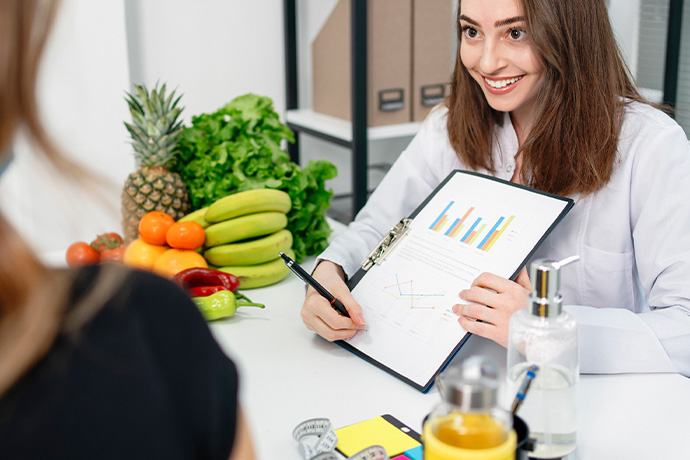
<point>320,316</point>
<point>479,312</point>
<point>479,328</point>
<point>492,300</point>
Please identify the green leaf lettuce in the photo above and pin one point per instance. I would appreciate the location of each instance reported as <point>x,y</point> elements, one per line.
<point>237,148</point>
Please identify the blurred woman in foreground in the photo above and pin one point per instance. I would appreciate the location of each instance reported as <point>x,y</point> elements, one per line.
<point>101,362</point>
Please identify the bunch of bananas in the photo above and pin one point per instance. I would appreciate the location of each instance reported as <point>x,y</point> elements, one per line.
<point>245,232</point>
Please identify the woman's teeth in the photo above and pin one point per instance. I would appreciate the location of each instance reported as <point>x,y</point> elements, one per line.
<point>501,83</point>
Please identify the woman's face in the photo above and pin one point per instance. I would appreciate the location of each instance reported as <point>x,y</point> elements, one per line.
<point>496,50</point>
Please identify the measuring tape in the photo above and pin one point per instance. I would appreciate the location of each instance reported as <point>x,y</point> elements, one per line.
<point>317,441</point>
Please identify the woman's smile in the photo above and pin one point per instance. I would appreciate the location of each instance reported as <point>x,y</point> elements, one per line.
<point>501,86</point>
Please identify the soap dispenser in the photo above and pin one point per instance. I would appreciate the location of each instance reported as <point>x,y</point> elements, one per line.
<point>545,336</point>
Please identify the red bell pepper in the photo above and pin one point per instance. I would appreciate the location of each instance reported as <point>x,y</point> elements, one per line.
<point>197,276</point>
<point>203,291</point>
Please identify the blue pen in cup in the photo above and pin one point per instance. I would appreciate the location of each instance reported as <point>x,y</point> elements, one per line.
<point>524,386</point>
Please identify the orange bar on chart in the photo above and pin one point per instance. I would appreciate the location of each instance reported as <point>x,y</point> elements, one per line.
<point>440,223</point>
<point>476,234</point>
<point>491,243</point>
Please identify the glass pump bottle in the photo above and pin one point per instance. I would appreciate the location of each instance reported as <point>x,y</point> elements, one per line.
<point>468,423</point>
<point>546,336</point>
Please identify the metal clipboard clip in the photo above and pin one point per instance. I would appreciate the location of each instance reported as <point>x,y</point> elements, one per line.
<point>386,245</point>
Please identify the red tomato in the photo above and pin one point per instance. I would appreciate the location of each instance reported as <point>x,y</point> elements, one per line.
<point>81,253</point>
<point>113,255</point>
<point>105,241</point>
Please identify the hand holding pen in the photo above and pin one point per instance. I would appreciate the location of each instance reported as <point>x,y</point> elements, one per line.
<point>306,277</point>
<point>324,317</point>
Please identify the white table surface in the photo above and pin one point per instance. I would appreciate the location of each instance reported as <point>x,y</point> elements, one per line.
<point>288,374</point>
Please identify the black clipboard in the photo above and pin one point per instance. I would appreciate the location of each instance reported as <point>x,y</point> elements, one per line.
<point>388,243</point>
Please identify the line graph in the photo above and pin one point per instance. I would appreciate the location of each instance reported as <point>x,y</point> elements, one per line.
<point>406,291</point>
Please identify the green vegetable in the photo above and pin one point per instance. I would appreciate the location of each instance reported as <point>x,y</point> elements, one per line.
<point>221,305</point>
<point>237,148</point>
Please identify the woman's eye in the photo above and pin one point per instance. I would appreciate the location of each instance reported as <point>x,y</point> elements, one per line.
<point>470,32</point>
<point>517,34</point>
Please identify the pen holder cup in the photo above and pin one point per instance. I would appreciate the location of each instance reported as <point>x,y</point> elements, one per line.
<point>524,444</point>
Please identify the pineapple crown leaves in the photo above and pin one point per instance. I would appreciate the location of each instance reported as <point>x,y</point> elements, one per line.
<point>155,129</point>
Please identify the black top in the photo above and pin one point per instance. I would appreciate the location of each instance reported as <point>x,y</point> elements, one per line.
<point>144,379</point>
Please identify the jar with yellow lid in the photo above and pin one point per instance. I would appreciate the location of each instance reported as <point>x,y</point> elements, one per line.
<point>468,424</point>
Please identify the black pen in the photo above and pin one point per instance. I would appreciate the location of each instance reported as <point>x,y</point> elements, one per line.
<point>304,276</point>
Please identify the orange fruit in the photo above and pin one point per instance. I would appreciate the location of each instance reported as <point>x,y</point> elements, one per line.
<point>154,226</point>
<point>140,254</point>
<point>173,261</point>
<point>186,235</point>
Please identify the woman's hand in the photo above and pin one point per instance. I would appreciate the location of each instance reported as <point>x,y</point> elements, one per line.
<point>493,300</point>
<point>319,316</point>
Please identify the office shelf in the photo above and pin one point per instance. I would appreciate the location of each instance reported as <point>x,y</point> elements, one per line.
<point>340,129</point>
<point>354,135</point>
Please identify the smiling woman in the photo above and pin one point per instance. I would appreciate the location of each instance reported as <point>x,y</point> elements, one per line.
<point>497,52</point>
<point>532,58</point>
<point>541,96</point>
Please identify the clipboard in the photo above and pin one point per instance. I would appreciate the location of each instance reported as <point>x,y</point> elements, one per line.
<point>471,223</point>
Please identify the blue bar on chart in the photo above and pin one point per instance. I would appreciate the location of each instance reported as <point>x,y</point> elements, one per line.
<point>495,235</point>
<point>441,219</point>
<point>469,232</point>
<point>491,232</point>
<point>452,227</point>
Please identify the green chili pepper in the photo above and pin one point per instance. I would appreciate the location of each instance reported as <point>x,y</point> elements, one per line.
<point>221,305</point>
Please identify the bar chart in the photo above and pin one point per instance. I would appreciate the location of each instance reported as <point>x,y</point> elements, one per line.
<point>471,227</point>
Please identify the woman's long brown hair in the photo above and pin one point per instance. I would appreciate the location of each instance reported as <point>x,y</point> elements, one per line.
<point>32,297</point>
<point>571,147</point>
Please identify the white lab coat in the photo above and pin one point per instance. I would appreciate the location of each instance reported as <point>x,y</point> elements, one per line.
<point>630,290</point>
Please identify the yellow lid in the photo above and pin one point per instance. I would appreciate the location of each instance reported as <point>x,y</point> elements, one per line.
<point>434,449</point>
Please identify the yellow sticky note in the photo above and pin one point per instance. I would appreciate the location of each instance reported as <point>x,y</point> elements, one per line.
<point>377,431</point>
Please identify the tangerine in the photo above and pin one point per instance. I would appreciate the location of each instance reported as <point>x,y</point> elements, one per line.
<point>154,226</point>
<point>140,254</point>
<point>173,261</point>
<point>186,235</point>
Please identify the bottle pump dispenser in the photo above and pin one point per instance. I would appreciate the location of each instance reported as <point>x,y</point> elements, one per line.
<point>546,336</point>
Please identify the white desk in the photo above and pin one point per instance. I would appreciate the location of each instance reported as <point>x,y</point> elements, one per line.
<point>288,374</point>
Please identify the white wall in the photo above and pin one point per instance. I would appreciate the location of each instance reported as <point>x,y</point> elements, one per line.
<point>80,89</point>
<point>211,50</point>
<point>625,20</point>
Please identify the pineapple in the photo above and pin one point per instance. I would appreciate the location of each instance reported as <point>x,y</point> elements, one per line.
<point>155,132</point>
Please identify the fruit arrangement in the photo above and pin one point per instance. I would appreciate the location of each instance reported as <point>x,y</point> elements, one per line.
<point>245,232</point>
<point>107,247</point>
<point>164,246</point>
